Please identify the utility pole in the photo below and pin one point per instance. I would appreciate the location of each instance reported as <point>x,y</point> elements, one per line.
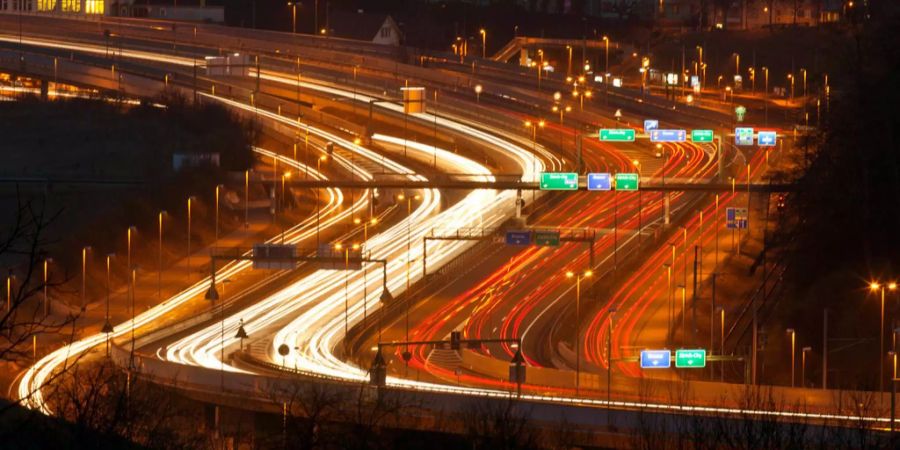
<point>694,297</point>
<point>825,349</point>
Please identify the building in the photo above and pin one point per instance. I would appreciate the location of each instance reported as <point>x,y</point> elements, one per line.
<point>377,28</point>
<point>188,10</point>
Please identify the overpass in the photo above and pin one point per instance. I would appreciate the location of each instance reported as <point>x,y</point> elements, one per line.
<point>446,183</point>
<point>517,44</point>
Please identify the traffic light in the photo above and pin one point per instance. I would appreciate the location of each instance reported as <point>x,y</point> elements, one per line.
<point>455,337</point>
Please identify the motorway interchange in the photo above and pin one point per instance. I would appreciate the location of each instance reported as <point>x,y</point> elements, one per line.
<point>580,314</point>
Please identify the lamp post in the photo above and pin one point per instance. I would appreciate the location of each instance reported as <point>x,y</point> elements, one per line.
<point>159,266</point>
<point>365,223</point>
<point>107,326</point>
<point>133,276</point>
<point>612,315</point>
<point>683,314</point>
<point>766,96</point>
<point>219,187</point>
<point>319,172</point>
<point>247,198</point>
<point>47,262</point>
<point>84,252</point>
<point>409,200</point>
<point>577,341</point>
<point>569,67</point>
<point>875,287</point>
<point>722,340</point>
<point>790,77</point>
<point>483,33</point>
<point>190,200</point>
<point>9,278</point>
<point>293,6</point>
<point>803,71</point>
<point>793,334</point>
<point>803,353</point>
<point>478,90</point>
<point>534,127</point>
<point>752,72</point>
<point>562,111</point>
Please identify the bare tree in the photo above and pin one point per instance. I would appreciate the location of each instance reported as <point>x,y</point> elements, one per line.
<point>501,425</point>
<point>310,413</point>
<point>99,399</point>
<point>22,250</point>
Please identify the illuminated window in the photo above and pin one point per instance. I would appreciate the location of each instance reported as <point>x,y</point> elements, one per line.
<point>93,6</point>
<point>71,5</point>
<point>46,5</point>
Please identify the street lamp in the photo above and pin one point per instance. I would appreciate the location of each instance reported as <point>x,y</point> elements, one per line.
<point>562,111</point>
<point>722,338</point>
<point>219,187</point>
<point>284,177</point>
<point>293,6</point>
<point>766,97</point>
<point>319,162</point>
<point>483,33</point>
<point>577,342</point>
<point>752,72</point>
<point>790,77</point>
<point>190,200</point>
<point>478,90</point>
<point>803,71</point>
<point>365,223</point>
<point>84,252</point>
<point>47,262</point>
<point>534,127</point>
<point>409,200</point>
<point>875,287</point>
<point>9,278</point>
<point>803,353</point>
<point>159,262</point>
<point>793,334</point>
<point>107,326</point>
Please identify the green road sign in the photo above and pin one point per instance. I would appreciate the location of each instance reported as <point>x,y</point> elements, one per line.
<point>617,134</point>
<point>627,181</point>
<point>739,113</point>
<point>559,181</point>
<point>546,238</point>
<point>702,135</point>
<point>690,359</point>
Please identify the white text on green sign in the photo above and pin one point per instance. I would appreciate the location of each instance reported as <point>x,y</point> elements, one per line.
<point>559,181</point>
<point>702,135</point>
<point>546,238</point>
<point>690,359</point>
<point>617,134</point>
<point>627,181</point>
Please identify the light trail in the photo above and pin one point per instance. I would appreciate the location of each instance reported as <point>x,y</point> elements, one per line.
<point>37,376</point>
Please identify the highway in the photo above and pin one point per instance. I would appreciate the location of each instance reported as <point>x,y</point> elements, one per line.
<point>525,296</point>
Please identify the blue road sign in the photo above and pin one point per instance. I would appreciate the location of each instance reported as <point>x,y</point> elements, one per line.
<point>743,136</point>
<point>766,138</point>
<point>518,238</point>
<point>599,182</point>
<point>736,218</point>
<point>656,359</point>
<point>650,124</point>
<point>668,135</point>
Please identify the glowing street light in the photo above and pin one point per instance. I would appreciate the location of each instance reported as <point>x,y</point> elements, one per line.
<point>876,286</point>
<point>793,334</point>
<point>483,33</point>
<point>577,342</point>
